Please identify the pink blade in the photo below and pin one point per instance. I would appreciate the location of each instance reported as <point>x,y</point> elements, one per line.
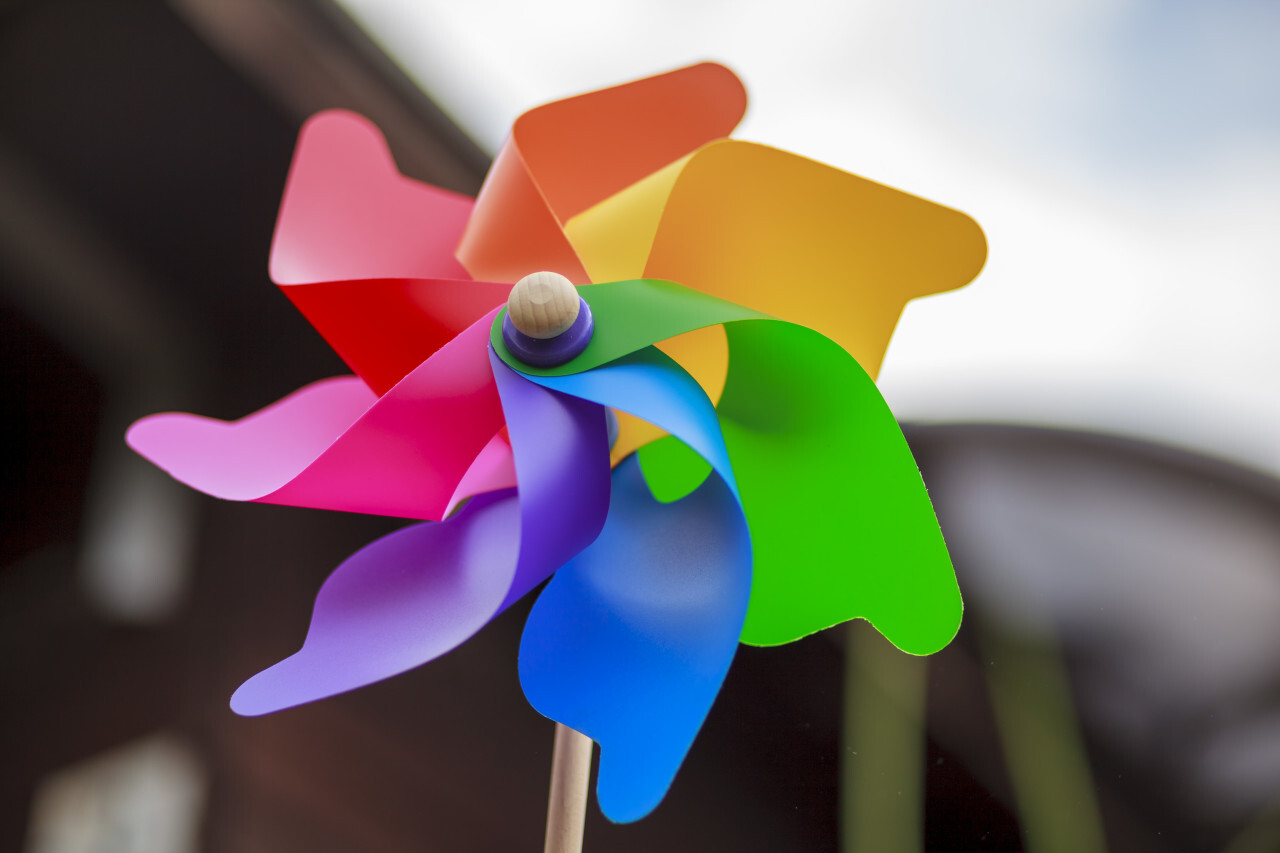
<point>348,213</point>
<point>333,445</point>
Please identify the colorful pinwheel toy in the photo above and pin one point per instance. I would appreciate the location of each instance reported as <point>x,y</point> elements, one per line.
<point>758,488</point>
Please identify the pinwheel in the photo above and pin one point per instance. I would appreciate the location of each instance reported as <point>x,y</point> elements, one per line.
<point>758,489</point>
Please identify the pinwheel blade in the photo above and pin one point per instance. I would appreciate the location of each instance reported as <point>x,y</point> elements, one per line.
<point>630,641</point>
<point>566,156</point>
<point>782,234</point>
<point>632,645</point>
<point>336,446</point>
<point>413,595</point>
<point>840,518</point>
<point>348,213</point>
<point>397,603</point>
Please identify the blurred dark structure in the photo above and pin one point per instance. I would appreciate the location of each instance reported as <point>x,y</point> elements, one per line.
<point>143,147</point>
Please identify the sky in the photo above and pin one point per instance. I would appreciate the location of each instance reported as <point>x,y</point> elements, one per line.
<point>1123,157</point>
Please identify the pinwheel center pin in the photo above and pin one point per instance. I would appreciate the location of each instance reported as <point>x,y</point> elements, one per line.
<point>547,322</point>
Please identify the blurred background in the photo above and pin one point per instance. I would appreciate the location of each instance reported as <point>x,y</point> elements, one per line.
<point>1096,418</point>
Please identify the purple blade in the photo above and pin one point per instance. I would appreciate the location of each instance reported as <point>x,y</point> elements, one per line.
<point>561,449</point>
<point>415,594</point>
<point>397,603</point>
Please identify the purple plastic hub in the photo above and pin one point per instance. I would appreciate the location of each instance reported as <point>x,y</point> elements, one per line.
<point>550,352</point>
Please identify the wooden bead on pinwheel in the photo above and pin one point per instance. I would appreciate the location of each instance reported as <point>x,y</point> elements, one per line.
<point>547,322</point>
<point>543,305</point>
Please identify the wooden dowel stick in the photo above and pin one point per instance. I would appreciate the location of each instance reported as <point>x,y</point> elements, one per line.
<point>567,806</point>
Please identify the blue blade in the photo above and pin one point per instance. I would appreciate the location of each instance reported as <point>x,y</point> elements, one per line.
<point>631,640</point>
